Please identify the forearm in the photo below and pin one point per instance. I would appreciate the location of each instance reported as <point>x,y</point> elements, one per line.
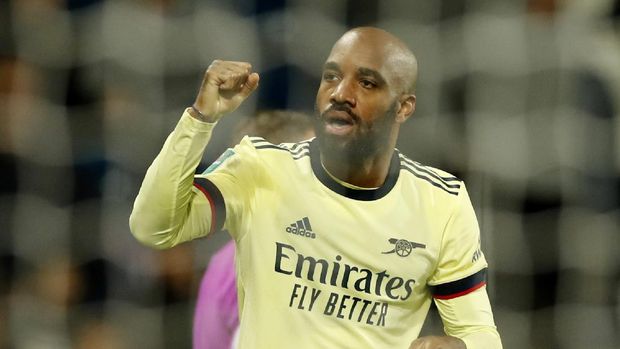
<point>483,338</point>
<point>480,336</point>
<point>470,318</point>
<point>168,209</point>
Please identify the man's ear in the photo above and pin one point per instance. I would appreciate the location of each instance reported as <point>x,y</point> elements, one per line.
<point>406,107</point>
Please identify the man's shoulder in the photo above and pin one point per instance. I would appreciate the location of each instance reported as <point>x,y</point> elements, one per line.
<point>430,176</point>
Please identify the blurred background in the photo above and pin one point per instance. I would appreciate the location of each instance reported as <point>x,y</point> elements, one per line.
<point>521,99</point>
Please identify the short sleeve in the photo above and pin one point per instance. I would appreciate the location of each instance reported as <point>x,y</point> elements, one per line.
<point>230,184</point>
<point>461,267</point>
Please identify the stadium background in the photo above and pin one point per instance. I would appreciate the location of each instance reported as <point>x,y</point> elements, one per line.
<point>519,98</point>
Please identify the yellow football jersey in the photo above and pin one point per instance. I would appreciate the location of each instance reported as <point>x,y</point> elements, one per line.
<point>320,263</point>
<point>324,265</point>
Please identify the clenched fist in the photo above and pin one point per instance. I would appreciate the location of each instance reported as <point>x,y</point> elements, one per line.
<point>225,86</point>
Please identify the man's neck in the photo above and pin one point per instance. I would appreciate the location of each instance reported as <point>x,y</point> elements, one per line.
<point>370,172</point>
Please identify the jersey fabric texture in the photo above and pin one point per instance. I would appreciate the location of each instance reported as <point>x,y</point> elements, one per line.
<point>338,264</point>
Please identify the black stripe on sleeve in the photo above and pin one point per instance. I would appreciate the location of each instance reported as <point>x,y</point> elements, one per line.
<point>426,169</point>
<point>269,146</point>
<point>410,170</point>
<point>460,287</point>
<point>297,150</point>
<point>301,155</point>
<point>216,199</point>
<point>435,175</point>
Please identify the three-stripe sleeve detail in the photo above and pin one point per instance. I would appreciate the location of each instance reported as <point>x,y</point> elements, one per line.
<point>449,184</point>
<point>297,150</point>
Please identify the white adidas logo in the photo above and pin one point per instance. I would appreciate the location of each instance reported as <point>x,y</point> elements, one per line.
<point>302,228</point>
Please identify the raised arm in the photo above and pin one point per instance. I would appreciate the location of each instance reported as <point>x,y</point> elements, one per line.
<point>169,209</point>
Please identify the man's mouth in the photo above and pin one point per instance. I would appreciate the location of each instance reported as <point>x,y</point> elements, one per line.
<point>339,121</point>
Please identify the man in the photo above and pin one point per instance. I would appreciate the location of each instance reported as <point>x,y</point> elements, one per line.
<point>216,318</point>
<point>341,241</point>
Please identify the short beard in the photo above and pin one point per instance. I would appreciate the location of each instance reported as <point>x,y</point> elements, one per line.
<point>367,141</point>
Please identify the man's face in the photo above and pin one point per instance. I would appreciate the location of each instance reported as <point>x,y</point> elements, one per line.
<point>358,99</point>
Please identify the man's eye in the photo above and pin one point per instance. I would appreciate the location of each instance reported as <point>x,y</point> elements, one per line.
<point>329,77</point>
<point>367,83</point>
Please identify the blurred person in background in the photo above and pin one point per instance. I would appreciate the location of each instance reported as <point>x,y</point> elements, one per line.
<point>296,209</point>
<point>216,318</point>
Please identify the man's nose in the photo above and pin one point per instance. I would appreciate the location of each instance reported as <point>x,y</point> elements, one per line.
<point>344,92</point>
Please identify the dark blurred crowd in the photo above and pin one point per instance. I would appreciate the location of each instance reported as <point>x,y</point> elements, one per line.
<point>521,99</point>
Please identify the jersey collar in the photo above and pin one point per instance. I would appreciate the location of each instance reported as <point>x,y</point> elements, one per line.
<point>356,194</point>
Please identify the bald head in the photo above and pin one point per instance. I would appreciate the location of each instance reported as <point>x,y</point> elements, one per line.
<point>397,57</point>
<point>366,93</point>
